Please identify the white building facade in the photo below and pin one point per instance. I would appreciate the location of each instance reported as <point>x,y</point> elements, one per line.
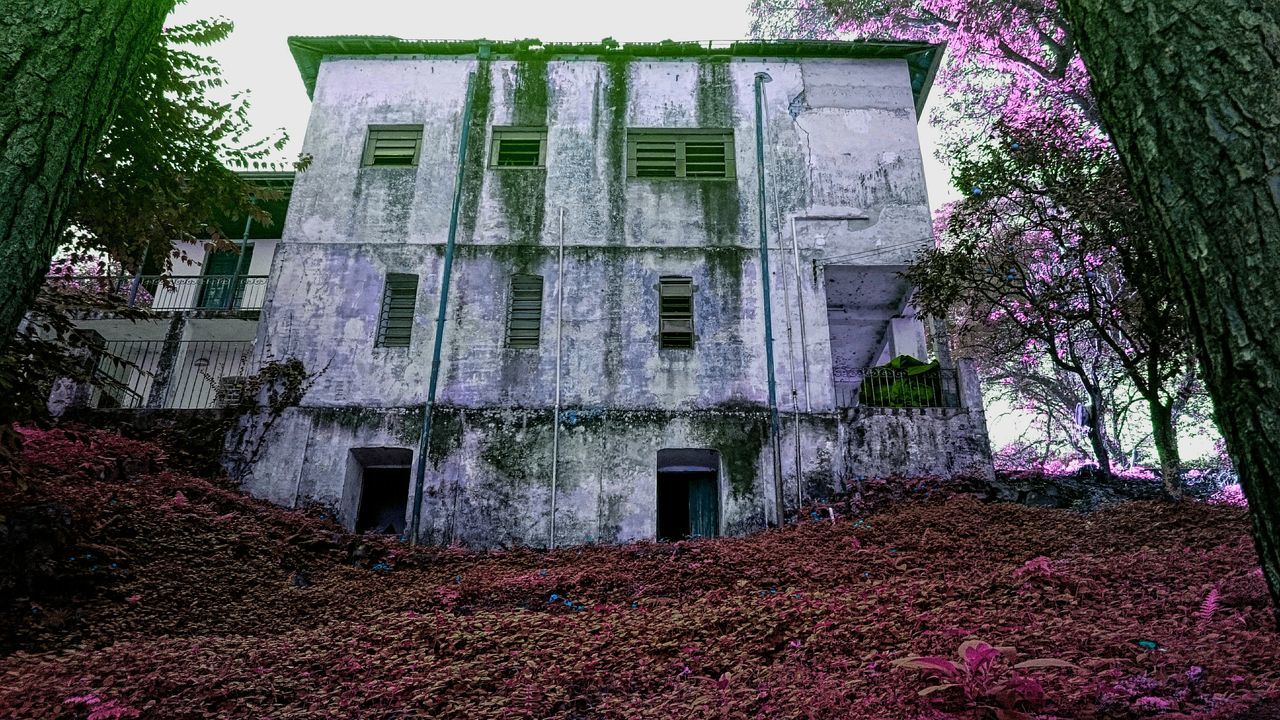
<point>603,370</point>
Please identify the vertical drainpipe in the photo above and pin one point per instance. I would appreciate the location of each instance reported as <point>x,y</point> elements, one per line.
<point>137,278</point>
<point>761,79</point>
<point>804,344</point>
<point>555,427</point>
<point>235,277</point>
<point>428,407</point>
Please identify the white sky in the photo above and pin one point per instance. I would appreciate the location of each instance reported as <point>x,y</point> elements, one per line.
<point>256,58</point>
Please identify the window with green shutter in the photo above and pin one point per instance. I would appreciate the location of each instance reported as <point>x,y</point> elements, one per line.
<point>675,312</point>
<point>524,321</point>
<point>519,147</point>
<point>395,326</point>
<point>393,145</point>
<point>684,153</point>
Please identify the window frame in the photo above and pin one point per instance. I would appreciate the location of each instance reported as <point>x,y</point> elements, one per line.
<point>667,314</point>
<point>517,132</point>
<point>384,313</point>
<point>372,134</point>
<point>509,342</point>
<point>680,137</point>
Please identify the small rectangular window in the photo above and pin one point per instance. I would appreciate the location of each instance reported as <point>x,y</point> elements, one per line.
<point>680,153</point>
<point>675,312</point>
<point>524,322</point>
<point>398,300</point>
<point>515,147</point>
<point>393,145</point>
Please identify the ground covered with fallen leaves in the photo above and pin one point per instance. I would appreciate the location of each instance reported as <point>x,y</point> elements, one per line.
<point>132,590</point>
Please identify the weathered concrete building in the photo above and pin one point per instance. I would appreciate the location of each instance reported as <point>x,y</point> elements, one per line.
<point>603,368</point>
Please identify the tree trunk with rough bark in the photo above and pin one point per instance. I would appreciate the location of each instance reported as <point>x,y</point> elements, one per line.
<point>1165,436</point>
<point>1189,92</point>
<point>63,65</point>
<point>1097,437</point>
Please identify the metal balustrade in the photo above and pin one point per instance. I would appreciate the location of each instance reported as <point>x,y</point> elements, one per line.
<point>182,292</point>
<point>889,388</point>
<point>184,374</point>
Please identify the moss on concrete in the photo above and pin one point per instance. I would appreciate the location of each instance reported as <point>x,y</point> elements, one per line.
<point>616,97</point>
<point>405,424</point>
<point>447,426</point>
<point>615,279</point>
<point>714,93</point>
<point>523,192</point>
<point>530,98</point>
<point>523,196</point>
<point>714,109</point>
<point>739,437</point>
<point>473,172</point>
<point>518,444</point>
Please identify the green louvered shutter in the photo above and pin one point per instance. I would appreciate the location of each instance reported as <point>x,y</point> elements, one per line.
<point>675,312</point>
<point>397,145</point>
<point>519,147</point>
<point>524,322</point>
<point>395,327</point>
<point>690,153</point>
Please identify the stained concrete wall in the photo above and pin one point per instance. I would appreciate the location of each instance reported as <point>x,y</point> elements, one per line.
<point>841,135</point>
<point>884,442</point>
<point>489,480</point>
<point>840,140</point>
<point>489,470</point>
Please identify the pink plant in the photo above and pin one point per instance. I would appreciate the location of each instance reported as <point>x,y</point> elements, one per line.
<point>1230,495</point>
<point>1209,606</point>
<point>984,680</point>
<point>108,710</point>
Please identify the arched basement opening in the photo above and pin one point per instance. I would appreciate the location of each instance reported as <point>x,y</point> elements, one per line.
<point>688,493</point>
<point>383,477</point>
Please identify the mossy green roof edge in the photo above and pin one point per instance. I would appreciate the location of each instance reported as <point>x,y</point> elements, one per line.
<point>922,58</point>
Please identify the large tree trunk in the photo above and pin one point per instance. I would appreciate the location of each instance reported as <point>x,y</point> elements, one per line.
<point>1097,431</point>
<point>1165,436</point>
<point>63,64</point>
<point>1189,92</point>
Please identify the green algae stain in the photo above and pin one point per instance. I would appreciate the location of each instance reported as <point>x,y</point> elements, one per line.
<point>473,171</point>
<point>714,94</point>
<point>616,95</point>
<point>739,440</point>
<point>517,444</point>
<point>531,97</point>
<point>523,192</point>
<point>447,425</point>
<point>714,109</point>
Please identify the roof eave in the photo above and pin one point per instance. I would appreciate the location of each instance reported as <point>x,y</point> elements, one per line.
<point>922,58</point>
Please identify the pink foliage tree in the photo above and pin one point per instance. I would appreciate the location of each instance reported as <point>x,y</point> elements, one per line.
<point>1009,60</point>
<point>1044,262</point>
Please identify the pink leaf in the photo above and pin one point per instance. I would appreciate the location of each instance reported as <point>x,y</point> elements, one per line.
<point>1044,663</point>
<point>930,664</point>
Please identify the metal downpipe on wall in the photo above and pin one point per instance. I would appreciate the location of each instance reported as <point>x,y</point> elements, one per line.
<point>428,407</point>
<point>804,344</point>
<point>761,79</point>
<point>555,425</point>
<point>235,276</point>
<point>804,356</point>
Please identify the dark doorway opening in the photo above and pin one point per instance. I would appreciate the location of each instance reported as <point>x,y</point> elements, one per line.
<point>688,493</point>
<point>383,500</point>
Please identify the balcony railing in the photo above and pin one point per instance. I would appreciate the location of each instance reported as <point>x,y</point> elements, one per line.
<point>888,388</point>
<point>186,374</point>
<point>182,292</point>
